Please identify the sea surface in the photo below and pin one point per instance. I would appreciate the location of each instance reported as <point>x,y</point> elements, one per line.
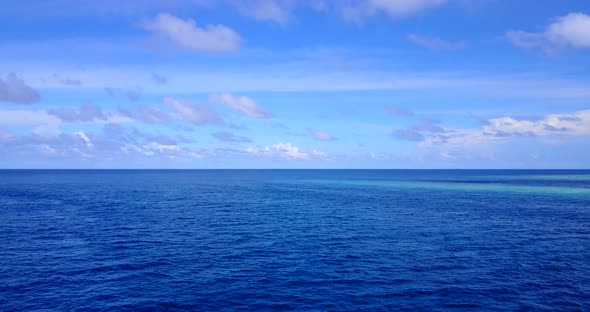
<point>305,240</point>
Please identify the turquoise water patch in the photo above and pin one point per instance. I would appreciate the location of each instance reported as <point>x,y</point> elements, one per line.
<point>464,186</point>
<point>553,177</point>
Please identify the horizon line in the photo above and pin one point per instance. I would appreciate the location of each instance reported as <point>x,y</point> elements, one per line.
<point>236,169</point>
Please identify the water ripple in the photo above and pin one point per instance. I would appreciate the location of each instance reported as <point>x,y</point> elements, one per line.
<point>294,240</point>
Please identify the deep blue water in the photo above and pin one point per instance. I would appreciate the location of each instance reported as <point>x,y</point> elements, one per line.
<point>332,240</point>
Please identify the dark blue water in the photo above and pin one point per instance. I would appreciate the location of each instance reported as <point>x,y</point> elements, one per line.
<point>294,240</point>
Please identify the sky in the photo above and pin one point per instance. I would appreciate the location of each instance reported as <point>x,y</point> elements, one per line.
<point>452,84</point>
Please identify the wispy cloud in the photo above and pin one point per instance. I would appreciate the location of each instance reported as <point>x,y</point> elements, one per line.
<point>14,90</point>
<point>436,43</point>
<point>282,77</point>
<point>158,78</point>
<point>186,34</point>
<point>358,11</point>
<point>66,80</point>
<point>277,11</point>
<point>230,137</point>
<point>35,118</point>
<point>131,95</point>
<point>408,135</point>
<point>197,114</point>
<point>319,135</point>
<point>420,131</point>
<point>243,104</point>
<point>85,113</point>
<point>399,111</point>
<point>147,114</point>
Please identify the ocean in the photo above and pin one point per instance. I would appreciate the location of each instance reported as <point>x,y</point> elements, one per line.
<point>301,240</point>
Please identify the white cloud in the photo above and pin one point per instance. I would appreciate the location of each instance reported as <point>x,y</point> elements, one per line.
<point>318,154</point>
<point>47,123</point>
<point>84,138</point>
<point>14,90</point>
<point>319,135</point>
<point>360,10</point>
<point>186,34</point>
<point>48,150</point>
<point>289,151</point>
<point>196,113</point>
<point>572,30</point>
<point>503,129</point>
<point>243,104</point>
<point>114,143</point>
<point>435,43</point>
<point>162,148</point>
<point>285,151</point>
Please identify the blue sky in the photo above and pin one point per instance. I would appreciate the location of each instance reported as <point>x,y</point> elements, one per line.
<point>295,84</point>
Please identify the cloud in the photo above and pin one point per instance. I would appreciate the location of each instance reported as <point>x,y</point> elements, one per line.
<point>523,39</point>
<point>186,34</point>
<point>27,117</point>
<point>197,114</point>
<point>243,104</point>
<point>435,43</point>
<point>5,136</point>
<point>505,128</point>
<point>159,79</point>
<point>289,151</point>
<point>360,10</point>
<point>429,125</point>
<point>230,137</point>
<point>317,153</point>
<point>66,80</point>
<point>113,143</point>
<point>408,135</point>
<point>339,62</point>
<point>277,11</point>
<point>131,95</point>
<point>399,111</point>
<point>319,135</point>
<point>42,122</point>
<point>85,113</point>
<point>285,151</point>
<point>147,114</point>
<point>569,31</point>
<point>84,138</point>
<point>14,90</point>
<point>421,130</point>
<point>60,9</point>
